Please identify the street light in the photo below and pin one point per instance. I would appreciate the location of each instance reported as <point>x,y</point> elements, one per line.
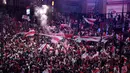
<point>52,3</point>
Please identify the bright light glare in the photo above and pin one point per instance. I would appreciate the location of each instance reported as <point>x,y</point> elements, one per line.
<point>45,7</point>
<point>52,3</point>
<point>42,11</point>
<point>4,2</point>
<point>27,11</point>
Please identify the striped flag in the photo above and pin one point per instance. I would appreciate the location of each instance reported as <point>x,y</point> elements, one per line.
<point>56,39</point>
<point>64,26</point>
<point>30,33</point>
<point>42,47</point>
<point>90,20</point>
<point>87,38</point>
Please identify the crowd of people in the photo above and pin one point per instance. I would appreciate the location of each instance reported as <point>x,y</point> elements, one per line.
<point>21,54</point>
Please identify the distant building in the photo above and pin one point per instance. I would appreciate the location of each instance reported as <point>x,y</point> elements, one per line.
<point>80,6</point>
<point>106,6</point>
<point>69,6</point>
<point>93,6</point>
<point>77,6</point>
<point>117,6</point>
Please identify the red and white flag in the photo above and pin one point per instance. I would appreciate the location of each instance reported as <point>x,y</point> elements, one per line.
<point>26,17</point>
<point>42,47</point>
<point>56,39</point>
<point>87,38</point>
<point>64,26</point>
<point>68,36</point>
<point>90,20</point>
<point>30,33</point>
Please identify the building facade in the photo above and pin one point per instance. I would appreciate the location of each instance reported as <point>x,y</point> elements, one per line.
<point>106,6</point>
<point>77,6</point>
<point>69,6</point>
<point>117,6</point>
